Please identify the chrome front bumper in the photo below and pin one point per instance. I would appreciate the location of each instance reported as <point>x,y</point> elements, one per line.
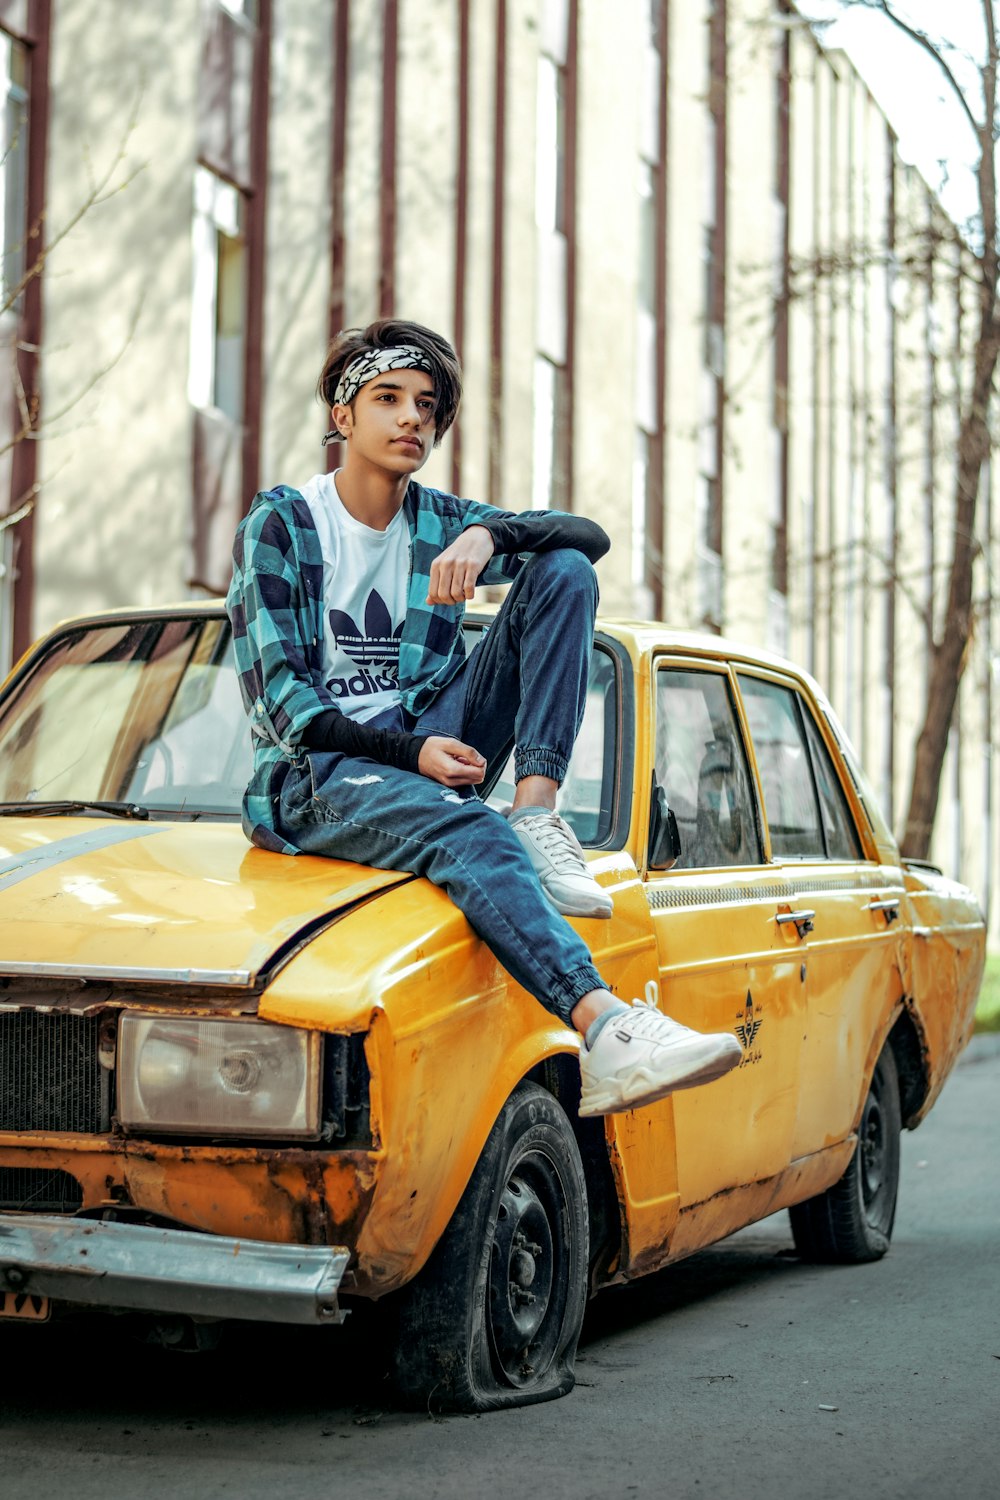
<point>94,1263</point>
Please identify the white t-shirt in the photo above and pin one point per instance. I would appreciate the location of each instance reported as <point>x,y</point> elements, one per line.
<point>365,573</point>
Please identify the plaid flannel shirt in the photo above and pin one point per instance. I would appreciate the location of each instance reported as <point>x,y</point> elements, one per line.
<point>275,603</point>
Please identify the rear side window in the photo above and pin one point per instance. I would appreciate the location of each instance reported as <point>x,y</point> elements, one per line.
<point>701,766</point>
<point>587,796</point>
<point>807,814</point>
<point>838,824</point>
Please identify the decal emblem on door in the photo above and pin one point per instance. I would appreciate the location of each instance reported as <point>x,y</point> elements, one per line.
<point>748,1024</point>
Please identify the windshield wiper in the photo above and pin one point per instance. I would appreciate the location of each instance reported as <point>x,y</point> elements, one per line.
<point>35,809</point>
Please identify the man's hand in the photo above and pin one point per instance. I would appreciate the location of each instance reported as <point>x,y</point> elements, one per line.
<point>450,762</point>
<point>455,570</point>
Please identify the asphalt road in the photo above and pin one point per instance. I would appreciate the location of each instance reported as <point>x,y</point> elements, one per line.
<point>711,1380</point>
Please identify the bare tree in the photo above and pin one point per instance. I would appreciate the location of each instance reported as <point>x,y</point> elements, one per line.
<point>949,643</point>
<point>30,424</point>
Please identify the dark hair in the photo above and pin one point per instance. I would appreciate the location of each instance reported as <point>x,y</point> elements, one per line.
<point>387,333</point>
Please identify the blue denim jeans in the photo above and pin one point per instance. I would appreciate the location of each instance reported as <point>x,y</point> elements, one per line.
<point>524,683</point>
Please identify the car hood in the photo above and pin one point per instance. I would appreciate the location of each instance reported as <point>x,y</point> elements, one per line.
<point>156,902</point>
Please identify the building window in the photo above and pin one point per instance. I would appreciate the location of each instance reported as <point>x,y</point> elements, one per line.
<point>14,164</point>
<point>218,306</point>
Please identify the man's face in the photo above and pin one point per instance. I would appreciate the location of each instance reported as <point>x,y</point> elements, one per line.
<point>392,423</point>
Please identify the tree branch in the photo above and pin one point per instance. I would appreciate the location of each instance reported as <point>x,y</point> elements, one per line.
<point>933,50</point>
<point>99,193</point>
<point>24,508</point>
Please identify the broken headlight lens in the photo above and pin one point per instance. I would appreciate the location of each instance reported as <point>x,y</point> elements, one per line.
<point>185,1075</point>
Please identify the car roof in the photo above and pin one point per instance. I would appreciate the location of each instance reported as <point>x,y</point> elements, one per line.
<point>639,637</point>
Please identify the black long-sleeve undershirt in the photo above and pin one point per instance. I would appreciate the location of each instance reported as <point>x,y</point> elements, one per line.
<point>333,730</point>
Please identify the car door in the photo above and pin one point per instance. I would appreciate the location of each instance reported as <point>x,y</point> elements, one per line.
<point>725,963</point>
<point>842,903</point>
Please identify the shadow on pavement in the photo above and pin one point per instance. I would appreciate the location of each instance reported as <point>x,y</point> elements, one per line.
<point>89,1367</point>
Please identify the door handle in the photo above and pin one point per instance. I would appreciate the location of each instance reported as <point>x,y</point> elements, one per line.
<point>804,920</point>
<point>889,908</point>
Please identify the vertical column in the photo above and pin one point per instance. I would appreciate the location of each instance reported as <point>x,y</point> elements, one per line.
<point>782,192</point>
<point>891,483</point>
<point>461,222</point>
<point>865,414</point>
<point>816,381</point>
<point>260,114</point>
<point>719,104</point>
<point>712,496</point>
<point>387,200</point>
<point>853,693</point>
<point>31,25</point>
<point>564,437</point>
<point>340,76</point>
<point>338,164</point>
<point>648,519</point>
<point>555,223</point>
<point>495,428</point>
<point>930,433</point>
<point>829,556</point>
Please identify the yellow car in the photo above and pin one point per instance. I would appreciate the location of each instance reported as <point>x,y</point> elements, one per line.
<point>235,1084</point>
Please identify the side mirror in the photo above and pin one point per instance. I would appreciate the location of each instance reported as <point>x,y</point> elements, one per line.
<point>664,837</point>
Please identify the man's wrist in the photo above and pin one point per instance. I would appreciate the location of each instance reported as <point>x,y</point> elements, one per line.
<point>481,526</point>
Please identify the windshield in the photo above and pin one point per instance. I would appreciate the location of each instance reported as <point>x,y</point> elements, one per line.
<point>149,713</point>
<point>146,712</point>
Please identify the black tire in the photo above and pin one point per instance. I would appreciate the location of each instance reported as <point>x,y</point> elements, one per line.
<point>494,1317</point>
<point>852,1221</point>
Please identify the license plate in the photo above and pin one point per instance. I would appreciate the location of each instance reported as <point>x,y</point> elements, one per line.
<point>24,1307</point>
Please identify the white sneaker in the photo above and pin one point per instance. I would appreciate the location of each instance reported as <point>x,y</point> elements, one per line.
<point>644,1055</point>
<point>555,853</point>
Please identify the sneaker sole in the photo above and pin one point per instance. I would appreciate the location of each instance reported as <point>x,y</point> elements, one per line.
<point>616,1096</point>
<point>564,909</point>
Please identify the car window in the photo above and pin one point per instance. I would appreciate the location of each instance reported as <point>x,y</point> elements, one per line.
<point>790,801</point>
<point>701,766</point>
<point>146,711</point>
<point>838,824</point>
<point>586,798</point>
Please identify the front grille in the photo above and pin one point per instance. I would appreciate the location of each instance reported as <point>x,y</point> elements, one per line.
<point>50,1076</point>
<point>39,1192</point>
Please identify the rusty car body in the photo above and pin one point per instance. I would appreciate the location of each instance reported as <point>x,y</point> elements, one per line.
<point>235,1084</point>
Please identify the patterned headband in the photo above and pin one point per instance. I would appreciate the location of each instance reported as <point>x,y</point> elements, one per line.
<point>374,362</point>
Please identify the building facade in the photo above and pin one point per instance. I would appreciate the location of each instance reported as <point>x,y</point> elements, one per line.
<point>697,295</point>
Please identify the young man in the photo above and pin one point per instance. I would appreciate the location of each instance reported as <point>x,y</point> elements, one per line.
<point>372,728</point>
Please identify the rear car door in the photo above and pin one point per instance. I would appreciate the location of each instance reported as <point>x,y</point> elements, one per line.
<point>842,903</point>
<point>725,963</point>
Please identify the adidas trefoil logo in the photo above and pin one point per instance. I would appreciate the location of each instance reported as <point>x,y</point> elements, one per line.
<point>377,646</point>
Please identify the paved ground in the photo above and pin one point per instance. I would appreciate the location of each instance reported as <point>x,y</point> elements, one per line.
<point>709,1380</point>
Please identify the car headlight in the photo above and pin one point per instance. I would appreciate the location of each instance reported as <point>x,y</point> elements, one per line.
<point>191,1076</point>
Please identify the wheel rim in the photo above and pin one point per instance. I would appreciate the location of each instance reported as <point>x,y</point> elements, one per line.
<point>878,1157</point>
<point>527,1284</point>
<point>872,1150</point>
